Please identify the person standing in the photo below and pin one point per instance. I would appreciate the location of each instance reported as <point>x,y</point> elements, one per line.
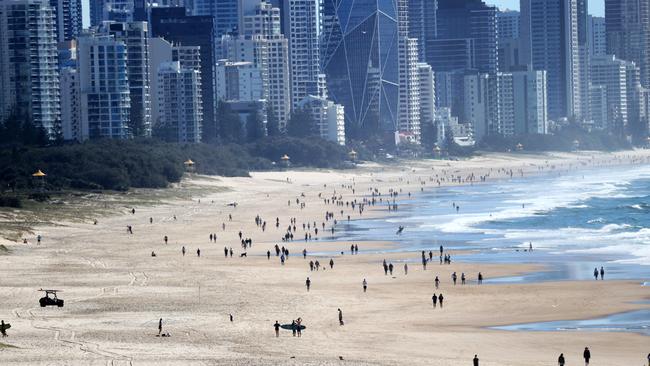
<point>587,356</point>
<point>340,317</point>
<point>475,361</point>
<point>560,360</point>
<point>3,329</point>
<point>159,326</point>
<point>440,298</point>
<point>308,283</point>
<point>277,329</point>
<point>365,287</point>
<point>596,274</point>
<point>434,299</point>
<point>602,273</point>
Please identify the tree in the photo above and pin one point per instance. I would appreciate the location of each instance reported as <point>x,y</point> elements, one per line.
<point>18,128</point>
<point>429,135</point>
<point>272,122</point>
<point>230,127</point>
<point>254,127</point>
<point>301,124</point>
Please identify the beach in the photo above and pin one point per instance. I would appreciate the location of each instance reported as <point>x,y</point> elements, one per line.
<point>115,291</point>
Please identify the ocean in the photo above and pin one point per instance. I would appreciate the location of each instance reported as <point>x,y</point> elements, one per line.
<point>575,222</point>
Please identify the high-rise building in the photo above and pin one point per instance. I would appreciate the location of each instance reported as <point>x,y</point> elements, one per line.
<point>29,77</point>
<point>239,81</point>
<point>226,18</point>
<point>477,102</point>
<point>550,41</point>
<point>637,122</point>
<point>164,56</point>
<point>329,117</point>
<point>71,126</point>
<point>597,36</point>
<point>628,33</point>
<point>611,73</point>
<point>302,27</point>
<point>530,102</point>
<point>508,24</point>
<point>361,61</point>
<point>68,18</point>
<point>409,89</point>
<point>422,24</point>
<point>174,26</point>
<point>103,87</point>
<point>135,36</point>
<point>598,106</point>
<point>262,43</point>
<point>179,98</point>
<point>471,19</point>
<point>427,93</point>
<point>508,35</point>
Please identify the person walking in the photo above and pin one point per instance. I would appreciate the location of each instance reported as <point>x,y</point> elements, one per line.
<point>331,263</point>
<point>340,317</point>
<point>308,283</point>
<point>560,360</point>
<point>480,278</point>
<point>440,298</point>
<point>475,360</point>
<point>596,274</point>
<point>587,356</point>
<point>437,282</point>
<point>198,253</point>
<point>434,299</point>
<point>602,273</point>
<point>3,329</point>
<point>277,329</point>
<point>159,326</point>
<point>365,287</point>
<point>406,269</point>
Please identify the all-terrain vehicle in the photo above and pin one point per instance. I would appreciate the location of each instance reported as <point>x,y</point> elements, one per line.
<point>50,301</point>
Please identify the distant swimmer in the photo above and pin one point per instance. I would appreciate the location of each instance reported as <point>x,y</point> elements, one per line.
<point>399,230</point>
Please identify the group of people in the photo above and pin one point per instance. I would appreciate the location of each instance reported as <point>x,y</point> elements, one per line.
<point>601,272</point>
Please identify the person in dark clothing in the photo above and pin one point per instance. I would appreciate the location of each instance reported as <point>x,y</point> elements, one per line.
<point>434,298</point>
<point>268,255</point>
<point>602,273</point>
<point>595,273</point>
<point>331,263</point>
<point>159,326</point>
<point>277,328</point>
<point>390,269</point>
<point>587,355</point>
<point>308,283</point>
<point>440,298</point>
<point>560,360</point>
<point>475,361</point>
<point>340,317</point>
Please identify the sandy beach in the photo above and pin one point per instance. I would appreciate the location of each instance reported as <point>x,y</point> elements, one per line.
<point>115,291</point>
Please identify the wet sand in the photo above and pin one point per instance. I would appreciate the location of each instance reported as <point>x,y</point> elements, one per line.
<point>115,292</point>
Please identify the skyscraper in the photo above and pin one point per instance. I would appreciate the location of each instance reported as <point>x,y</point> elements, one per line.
<point>361,60</point>
<point>135,36</point>
<point>597,36</point>
<point>549,41</point>
<point>29,77</point>
<point>262,43</point>
<point>508,36</point>
<point>174,26</point>
<point>471,19</point>
<point>628,33</point>
<point>103,87</point>
<point>226,18</point>
<point>179,98</point>
<point>68,18</point>
<point>422,24</point>
<point>302,27</point>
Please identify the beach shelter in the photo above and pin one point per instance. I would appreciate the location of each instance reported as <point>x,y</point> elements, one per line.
<point>285,159</point>
<point>189,164</point>
<point>40,176</point>
<point>353,155</point>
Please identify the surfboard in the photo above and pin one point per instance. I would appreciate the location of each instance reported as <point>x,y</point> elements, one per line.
<point>6,326</point>
<point>290,327</point>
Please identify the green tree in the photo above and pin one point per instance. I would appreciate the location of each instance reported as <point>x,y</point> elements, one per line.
<point>429,135</point>
<point>301,124</point>
<point>254,127</point>
<point>230,126</point>
<point>272,122</point>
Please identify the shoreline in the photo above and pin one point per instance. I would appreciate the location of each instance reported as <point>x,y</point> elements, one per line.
<point>112,286</point>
